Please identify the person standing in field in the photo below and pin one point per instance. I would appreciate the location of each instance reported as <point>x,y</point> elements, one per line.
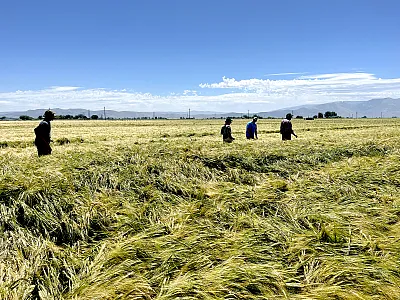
<point>251,129</point>
<point>286,128</point>
<point>43,134</point>
<point>226,131</point>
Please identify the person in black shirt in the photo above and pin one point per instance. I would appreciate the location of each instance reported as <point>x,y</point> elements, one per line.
<point>43,134</point>
<point>286,128</point>
<point>226,131</point>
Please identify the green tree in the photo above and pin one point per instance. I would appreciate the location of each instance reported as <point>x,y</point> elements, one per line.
<point>25,117</point>
<point>80,117</point>
<point>94,117</point>
<point>330,114</point>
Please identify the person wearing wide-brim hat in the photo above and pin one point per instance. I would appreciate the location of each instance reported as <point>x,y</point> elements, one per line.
<point>43,134</point>
<point>286,128</point>
<point>226,131</point>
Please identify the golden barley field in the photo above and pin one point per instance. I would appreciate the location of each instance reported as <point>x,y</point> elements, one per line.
<point>162,209</point>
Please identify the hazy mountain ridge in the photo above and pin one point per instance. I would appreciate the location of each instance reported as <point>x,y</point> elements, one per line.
<point>386,107</point>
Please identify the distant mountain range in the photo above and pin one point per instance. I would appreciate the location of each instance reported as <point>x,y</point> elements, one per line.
<point>374,108</point>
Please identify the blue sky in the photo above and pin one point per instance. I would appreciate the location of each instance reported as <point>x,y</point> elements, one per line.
<point>205,55</point>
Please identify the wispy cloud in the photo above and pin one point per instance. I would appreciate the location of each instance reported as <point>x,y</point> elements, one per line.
<point>283,74</point>
<point>227,95</point>
<point>342,76</point>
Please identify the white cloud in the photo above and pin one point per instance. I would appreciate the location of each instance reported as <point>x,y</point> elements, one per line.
<point>64,88</point>
<point>189,92</point>
<point>228,95</point>
<point>321,87</point>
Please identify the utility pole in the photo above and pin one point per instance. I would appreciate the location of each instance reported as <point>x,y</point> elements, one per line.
<point>105,118</point>
<point>89,113</point>
<point>248,114</point>
<point>154,115</point>
<point>189,113</point>
<point>381,115</point>
<point>356,115</point>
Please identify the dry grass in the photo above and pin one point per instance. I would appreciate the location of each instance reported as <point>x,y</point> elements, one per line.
<point>165,210</point>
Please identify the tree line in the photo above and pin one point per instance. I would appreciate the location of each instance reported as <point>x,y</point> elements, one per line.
<point>62,117</point>
<point>320,115</point>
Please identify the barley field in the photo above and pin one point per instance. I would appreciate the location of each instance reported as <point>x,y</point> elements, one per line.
<point>162,209</point>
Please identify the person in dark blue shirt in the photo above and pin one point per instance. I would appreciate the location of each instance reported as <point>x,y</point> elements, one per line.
<point>251,129</point>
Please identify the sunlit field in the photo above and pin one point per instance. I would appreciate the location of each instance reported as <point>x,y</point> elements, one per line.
<point>162,209</point>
